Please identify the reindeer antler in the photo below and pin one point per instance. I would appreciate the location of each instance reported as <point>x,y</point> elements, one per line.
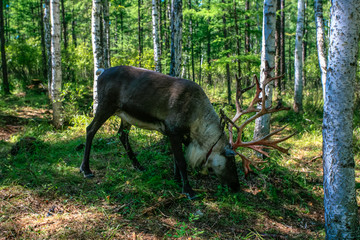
<point>263,143</point>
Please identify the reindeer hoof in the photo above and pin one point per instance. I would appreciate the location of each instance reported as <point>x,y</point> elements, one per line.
<point>87,174</point>
<point>191,195</point>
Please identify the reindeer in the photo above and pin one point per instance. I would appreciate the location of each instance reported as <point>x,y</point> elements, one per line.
<point>175,107</point>
<point>179,109</point>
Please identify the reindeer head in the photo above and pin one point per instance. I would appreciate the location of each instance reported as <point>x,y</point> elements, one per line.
<point>221,159</point>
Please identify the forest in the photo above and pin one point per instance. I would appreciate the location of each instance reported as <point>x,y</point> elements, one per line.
<point>281,76</point>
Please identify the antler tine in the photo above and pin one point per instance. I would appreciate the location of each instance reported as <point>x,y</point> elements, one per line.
<point>263,143</point>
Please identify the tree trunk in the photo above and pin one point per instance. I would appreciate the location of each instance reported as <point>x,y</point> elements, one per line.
<point>64,24</point>
<point>97,46</point>
<point>262,124</point>
<point>191,45</point>
<point>247,27</point>
<point>320,40</point>
<point>43,47</point>
<point>227,66</point>
<point>341,210</point>
<point>139,32</point>
<point>47,30</point>
<point>3,56</point>
<point>237,39</point>
<point>156,39</point>
<point>298,66</point>
<point>176,36</point>
<point>282,43</point>
<point>209,77</point>
<point>56,63</point>
<point>106,34</point>
<point>73,24</point>
<point>277,92</point>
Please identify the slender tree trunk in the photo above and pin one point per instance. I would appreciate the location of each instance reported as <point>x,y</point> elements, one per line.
<point>73,25</point>
<point>209,77</point>
<point>191,45</point>
<point>156,39</point>
<point>277,92</point>
<point>97,46</point>
<point>289,62</point>
<point>304,46</point>
<point>320,41</point>
<point>262,124</point>
<point>64,24</point>
<point>227,66</point>
<point>47,29</point>
<point>237,39</point>
<point>282,43</point>
<point>298,66</point>
<point>106,33</point>
<point>139,32</point>
<point>176,36</point>
<point>43,48</point>
<point>3,55</point>
<point>56,63</point>
<point>341,210</point>
<point>247,27</point>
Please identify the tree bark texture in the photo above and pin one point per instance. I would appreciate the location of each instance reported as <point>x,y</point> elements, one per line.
<point>139,32</point>
<point>176,36</point>
<point>262,124</point>
<point>208,30</point>
<point>227,66</point>
<point>47,32</point>
<point>64,24</point>
<point>277,92</point>
<point>106,33</point>
<point>3,56</point>
<point>97,46</point>
<point>282,43</point>
<point>320,41</point>
<point>156,39</point>
<point>341,210</point>
<point>56,63</point>
<point>298,63</point>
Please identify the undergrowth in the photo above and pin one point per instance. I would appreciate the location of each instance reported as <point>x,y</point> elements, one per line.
<point>282,200</point>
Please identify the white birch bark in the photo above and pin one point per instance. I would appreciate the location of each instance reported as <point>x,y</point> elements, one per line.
<point>156,39</point>
<point>298,63</point>
<point>320,41</point>
<point>176,37</point>
<point>97,46</point>
<point>262,124</point>
<point>47,33</point>
<point>341,210</point>
<point>56,63</point>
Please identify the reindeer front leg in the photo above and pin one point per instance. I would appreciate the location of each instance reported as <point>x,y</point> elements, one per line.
<point>176,146</point>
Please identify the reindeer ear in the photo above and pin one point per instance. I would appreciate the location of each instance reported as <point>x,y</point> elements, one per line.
<point>229,152</point>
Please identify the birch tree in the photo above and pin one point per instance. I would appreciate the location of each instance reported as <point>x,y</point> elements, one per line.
<point>341,210</point>
<point>56,63</point>
<point>156,39</point>
<point>97,46</point>
<point>298,63</point>
<point>176,37</point>
<point>47,33</point>
<point>320,42</point>
<point>3,56</point>
<point>262,124</point>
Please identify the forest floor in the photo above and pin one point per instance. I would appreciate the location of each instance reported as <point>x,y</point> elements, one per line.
<point>43,195</point>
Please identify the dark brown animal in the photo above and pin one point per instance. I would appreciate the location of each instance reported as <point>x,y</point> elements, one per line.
<point>175,107</point>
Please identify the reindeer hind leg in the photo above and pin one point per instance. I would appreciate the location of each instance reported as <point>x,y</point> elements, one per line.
<point>124,138</point>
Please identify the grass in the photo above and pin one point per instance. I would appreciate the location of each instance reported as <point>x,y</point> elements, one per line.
<point>43,195</point>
